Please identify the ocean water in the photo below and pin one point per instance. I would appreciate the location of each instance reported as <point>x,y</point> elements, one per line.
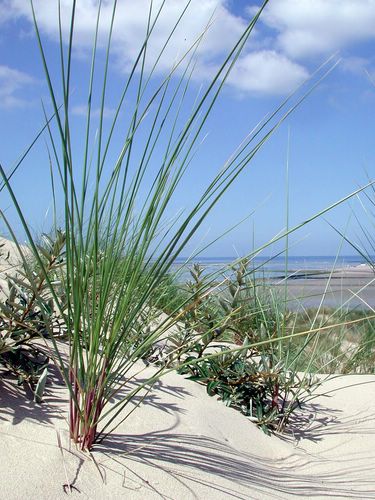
<point>268,266</point>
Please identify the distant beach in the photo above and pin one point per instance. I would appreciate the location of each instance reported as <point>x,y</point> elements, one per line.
<point>346,281</point>
<point>273,266</point>
<point>347,287</point>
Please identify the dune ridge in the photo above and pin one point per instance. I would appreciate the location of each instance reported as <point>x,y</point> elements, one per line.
<point>181,443</point>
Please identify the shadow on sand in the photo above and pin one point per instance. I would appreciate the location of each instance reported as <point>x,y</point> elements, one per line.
<point>193,460</point>
<point>17,403</point>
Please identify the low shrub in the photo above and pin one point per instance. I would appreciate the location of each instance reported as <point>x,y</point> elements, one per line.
<point>29,314</point>
<point>260,381</point>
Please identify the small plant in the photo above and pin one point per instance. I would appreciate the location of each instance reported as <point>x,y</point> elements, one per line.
<point>30,365</point>
<point>29,314</point>
<point>247,382</point>
<point>258,381</point>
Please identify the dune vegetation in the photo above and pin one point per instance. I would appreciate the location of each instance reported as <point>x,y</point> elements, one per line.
<point>98,296</point>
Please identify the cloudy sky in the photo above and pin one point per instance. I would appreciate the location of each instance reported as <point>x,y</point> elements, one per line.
<point>330,134</point>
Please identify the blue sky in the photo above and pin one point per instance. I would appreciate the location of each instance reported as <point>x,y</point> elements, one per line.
<point>331,144</point>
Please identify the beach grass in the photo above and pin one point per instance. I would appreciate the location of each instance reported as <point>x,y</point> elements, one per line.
<point>120,246</point>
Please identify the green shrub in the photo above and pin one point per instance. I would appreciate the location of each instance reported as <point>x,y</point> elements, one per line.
<point>28,314</point>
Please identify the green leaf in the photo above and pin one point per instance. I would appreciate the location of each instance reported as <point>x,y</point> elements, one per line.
<point>211,386</point>
<point>39,390</point>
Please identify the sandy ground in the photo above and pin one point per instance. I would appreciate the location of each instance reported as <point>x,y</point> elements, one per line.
<point>9,263</point>
<point>352,287</point>
<point>182,444</point>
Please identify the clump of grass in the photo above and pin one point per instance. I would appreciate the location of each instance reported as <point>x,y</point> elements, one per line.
<point>118,246</point>
<point>170,294</point>
<point>116,200</point>
<point>345,344</point>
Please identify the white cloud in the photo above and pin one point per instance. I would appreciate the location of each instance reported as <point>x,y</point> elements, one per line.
<point>258,71</point>
<point>268,72</point>
<point>356,65</point>
<point>318,27</point>
<point>13,83</point>
<point>131,23</point>
<point>81,110</point>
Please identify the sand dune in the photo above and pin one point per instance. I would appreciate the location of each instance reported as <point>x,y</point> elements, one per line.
<point>182,444</point>
<point>10,260</point>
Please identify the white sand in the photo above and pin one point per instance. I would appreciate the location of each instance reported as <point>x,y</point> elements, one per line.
<point>182,444</point>
<point>10,260</point>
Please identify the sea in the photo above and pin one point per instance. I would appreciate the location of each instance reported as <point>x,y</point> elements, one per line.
<point>267,266</point>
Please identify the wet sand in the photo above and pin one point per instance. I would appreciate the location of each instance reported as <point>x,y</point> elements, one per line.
<point>349,288</point>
